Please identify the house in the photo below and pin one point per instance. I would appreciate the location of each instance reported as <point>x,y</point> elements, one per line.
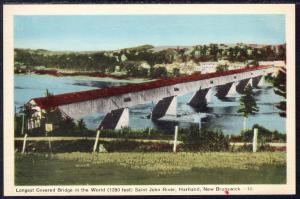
<point>54,115</point>
<point>206,67</point>
<point>279,63</point>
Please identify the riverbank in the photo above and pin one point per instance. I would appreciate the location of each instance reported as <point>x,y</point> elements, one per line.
<point>59,73</point>
<point>150,168</point>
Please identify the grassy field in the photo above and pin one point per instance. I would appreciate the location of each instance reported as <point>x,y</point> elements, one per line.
<point>150,168</point>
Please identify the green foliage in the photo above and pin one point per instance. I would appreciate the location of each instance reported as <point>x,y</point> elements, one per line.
<point>132,146</point>
<point>106,61</point>
<point>247,103</point>
<point>29,111</point>
<point>129,133</point>
<point>159,72</point>
<point>81,126</point>
<point>47,93</point>
<point>67,125</point>
<point>149,168</point>
<point>264,135</point>
<point>221,68</point>
<point>133,69</point>
<point>279,83</point>
<point>204,140</point>
<point>261,147</point>
<point>176,72</point>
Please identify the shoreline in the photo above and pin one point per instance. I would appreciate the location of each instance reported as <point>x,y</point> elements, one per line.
<point>58,73</point>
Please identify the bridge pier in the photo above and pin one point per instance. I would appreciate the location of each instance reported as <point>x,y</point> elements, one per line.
<point>258,81</point>
<point>232,91</point>
<point>240,87</point>
<point>166,106</point>
<point>116,119</point>
<point>224,90</point>
<point>200,98</point>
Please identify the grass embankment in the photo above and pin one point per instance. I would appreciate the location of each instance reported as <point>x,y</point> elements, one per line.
<point>150,168</point>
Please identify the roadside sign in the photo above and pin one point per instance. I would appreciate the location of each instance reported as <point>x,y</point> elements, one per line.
<point>49,127</point>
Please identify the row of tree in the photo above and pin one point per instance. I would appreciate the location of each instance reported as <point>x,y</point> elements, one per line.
<point>129,60</point>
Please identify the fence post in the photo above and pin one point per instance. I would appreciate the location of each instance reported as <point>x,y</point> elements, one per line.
<point>200,124</point>
<point>24,143</point>
<point>175,138</point>
<point>149,130</point>
<point>96,141</point>
<point>255,140</point>
<point>22,132</point>
<point>49,144</point>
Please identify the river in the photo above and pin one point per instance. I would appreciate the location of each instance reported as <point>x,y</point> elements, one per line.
<point>219,115</point>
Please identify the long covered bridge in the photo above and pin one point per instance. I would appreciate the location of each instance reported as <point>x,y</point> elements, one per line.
<point>115,100</point>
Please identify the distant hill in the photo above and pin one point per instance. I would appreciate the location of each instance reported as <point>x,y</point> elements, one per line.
<point>140,60</point>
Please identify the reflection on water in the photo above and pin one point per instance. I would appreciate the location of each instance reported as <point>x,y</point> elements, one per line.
<point>220,114</point>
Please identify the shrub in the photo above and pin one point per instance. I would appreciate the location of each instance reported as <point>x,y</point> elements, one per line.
<point>133,146</point>
<point>204,140</point>
<point>264,135</point>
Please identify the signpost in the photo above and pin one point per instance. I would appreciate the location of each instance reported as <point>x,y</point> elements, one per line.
<point>49,127</point>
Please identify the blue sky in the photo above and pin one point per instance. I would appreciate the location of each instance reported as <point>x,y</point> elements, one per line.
<point>109,32</point>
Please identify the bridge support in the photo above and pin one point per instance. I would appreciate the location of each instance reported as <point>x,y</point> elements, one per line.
<point>223,90</point>
<point>232,90</point>
<point>258,81</point>
<point>242,85</point>
<point>116,119</point>
<point>166,106</point>
<point>200,98</point>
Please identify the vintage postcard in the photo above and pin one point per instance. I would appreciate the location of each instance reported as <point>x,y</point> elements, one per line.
<point>149,99</point>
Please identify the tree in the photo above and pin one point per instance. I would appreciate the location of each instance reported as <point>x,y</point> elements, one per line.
<point>279,84</point>
<point>176,72</point>
<point>158,72</point>
<point>28,112</point>
<point>248,105</point>
<point>221,68</point>
<point>47,93</point>
<point>67,125</point>
<point>81,126</point>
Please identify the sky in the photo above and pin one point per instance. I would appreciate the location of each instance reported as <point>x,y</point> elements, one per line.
<point>111,32</point>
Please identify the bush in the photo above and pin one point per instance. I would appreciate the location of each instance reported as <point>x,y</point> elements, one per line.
<point>264,135</point>
<point>204,140</point>
<point>135,134</point>
<point>133,146</point>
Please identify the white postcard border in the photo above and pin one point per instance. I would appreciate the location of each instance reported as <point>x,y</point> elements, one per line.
<point>10,10</point>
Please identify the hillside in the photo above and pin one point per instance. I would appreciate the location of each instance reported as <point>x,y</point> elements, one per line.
<point>145,60</point>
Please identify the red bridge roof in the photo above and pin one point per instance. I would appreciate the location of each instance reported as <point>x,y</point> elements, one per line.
<point>69,98</point>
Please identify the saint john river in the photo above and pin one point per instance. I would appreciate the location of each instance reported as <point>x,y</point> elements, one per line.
<point>219,115</point>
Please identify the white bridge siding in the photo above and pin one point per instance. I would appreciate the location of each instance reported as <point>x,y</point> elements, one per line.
<point>106,104</point>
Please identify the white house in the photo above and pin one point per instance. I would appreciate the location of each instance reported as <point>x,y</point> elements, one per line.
<point>279,63</point>
<point>266,63</point>
<point>236,65</point>
<point>206,67</point>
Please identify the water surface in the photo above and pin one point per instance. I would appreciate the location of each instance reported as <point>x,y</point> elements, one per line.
<point>219,115</point>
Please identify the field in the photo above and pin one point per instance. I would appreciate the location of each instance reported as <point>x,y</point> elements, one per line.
<point>150,168</point>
